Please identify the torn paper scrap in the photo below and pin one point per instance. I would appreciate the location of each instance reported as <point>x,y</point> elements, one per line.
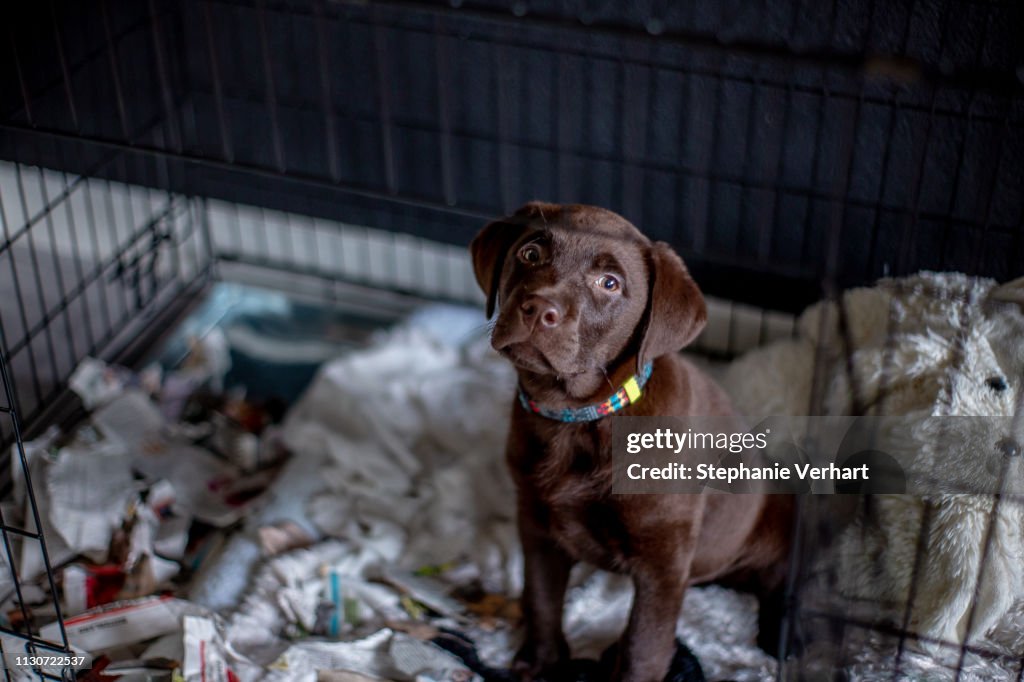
<point>89,490</point>
<point>123,623</point>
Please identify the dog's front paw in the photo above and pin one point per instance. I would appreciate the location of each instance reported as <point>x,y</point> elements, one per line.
<point>534,658</point>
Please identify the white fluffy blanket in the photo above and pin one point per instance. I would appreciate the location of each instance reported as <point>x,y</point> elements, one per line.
<point>931,345</point>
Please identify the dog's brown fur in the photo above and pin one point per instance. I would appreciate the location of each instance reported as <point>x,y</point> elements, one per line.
<point>573,342</point>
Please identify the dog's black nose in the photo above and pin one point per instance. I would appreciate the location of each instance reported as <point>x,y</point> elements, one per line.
<point>1008,447</point>
<point>539,310</point>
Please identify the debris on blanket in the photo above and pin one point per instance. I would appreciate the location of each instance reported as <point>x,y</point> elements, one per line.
<point>207,487</point>
<point>413,470</point>
<point>97,383</point>
<point>122,623</point>
<point>142,559</point>
<point>89,488</point>
<point>206,657</point>
<point>355,536</point>
<point>385,654</point>
<point>221,568</point>
<point>123,496</point>
<point>207,361</point>
<point>283,536</point>
<point>427,591</point>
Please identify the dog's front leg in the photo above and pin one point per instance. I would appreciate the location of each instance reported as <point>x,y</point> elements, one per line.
<point>546,577</point>
<point>649,642</point>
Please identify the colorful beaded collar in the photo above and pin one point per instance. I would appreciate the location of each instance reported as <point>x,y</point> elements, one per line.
<point>628,394</point>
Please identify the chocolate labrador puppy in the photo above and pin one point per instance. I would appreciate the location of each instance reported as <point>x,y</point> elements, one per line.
<point>585,302</point>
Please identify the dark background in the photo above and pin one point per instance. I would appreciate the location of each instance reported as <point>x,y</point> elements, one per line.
<point>784,148</point>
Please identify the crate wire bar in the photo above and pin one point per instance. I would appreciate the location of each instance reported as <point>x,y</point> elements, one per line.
<point>32,643</point>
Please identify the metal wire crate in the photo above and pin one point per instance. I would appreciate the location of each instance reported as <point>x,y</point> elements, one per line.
<point>15,536</point>
<point>788,150</point>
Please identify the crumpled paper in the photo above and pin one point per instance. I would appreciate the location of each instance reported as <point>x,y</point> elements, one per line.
<point>409,438</point>
<point>202,481</point>
<point>89,490</point>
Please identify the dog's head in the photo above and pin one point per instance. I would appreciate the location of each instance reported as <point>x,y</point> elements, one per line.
<point>579,289</point>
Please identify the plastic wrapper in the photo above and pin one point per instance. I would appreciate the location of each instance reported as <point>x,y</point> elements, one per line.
<point>223,575</point>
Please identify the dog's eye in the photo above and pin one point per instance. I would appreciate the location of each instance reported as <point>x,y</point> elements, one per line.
<point>608,283</point>
<point>530,254</point>
<point>997,384</point>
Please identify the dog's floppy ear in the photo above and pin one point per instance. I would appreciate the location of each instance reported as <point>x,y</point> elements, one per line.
<point>676,312</point>
<point>488,250</point>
